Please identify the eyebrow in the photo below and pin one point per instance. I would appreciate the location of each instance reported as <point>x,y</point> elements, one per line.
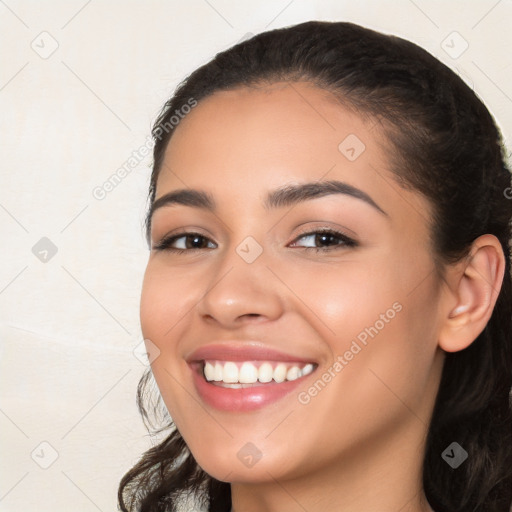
<point>286,195</point>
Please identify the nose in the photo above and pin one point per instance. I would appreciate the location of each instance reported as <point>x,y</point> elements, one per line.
<point>239,293</point>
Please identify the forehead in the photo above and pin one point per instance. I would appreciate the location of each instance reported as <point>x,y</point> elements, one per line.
<point>250,129</point>
<point>240,143</point>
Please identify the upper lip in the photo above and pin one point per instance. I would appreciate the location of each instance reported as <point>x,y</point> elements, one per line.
<point>242,352</point>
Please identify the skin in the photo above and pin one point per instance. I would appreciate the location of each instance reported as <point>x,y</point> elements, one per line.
<point>358,444</point>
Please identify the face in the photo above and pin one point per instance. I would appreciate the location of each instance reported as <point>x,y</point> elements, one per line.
<point>301,259</point>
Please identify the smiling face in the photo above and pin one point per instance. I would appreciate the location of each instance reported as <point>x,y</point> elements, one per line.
<point>302,252</point>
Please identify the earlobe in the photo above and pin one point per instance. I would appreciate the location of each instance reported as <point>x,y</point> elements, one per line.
<point>475,292</point>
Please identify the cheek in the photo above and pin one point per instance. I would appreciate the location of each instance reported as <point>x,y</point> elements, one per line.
<point>383,348</point>
<point>380,314</point>
<point>167,296</point>
<point>346,298</point>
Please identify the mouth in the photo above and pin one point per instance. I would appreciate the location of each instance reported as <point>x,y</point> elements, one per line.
<point>237,375</point>
<point>245,379</point>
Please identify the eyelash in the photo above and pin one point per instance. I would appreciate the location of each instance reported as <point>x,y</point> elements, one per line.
<point>165,243</point>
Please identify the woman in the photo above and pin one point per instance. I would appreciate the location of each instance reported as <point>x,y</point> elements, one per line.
<point>328,294</point>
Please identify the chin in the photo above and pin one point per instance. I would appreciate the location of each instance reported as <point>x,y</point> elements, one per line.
<point>243,465</point>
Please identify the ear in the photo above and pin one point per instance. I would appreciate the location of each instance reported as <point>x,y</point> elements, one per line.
<point>474,286</point>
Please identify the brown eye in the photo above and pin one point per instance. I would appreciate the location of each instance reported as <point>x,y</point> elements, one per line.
<point>325,240</point>
<point>184,242</point>
<point>195,242</point>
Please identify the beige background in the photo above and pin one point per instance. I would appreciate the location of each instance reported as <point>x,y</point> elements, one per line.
<point>69,119</point>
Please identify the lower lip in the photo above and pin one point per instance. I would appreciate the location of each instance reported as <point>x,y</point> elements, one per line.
<point>242,399</point>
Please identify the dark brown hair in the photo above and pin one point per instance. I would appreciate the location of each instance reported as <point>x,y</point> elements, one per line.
<point>447,148</point>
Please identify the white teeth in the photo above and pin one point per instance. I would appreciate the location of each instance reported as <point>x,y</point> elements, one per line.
<point>217,374</point>
<point>209,371</point>
<point>280,373</point>
<point>248,374</point>
<point>307,369</point>
<point>230,373</point>
<point>236,374</point>
<point>265,372</point>
<point>293,373</point>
